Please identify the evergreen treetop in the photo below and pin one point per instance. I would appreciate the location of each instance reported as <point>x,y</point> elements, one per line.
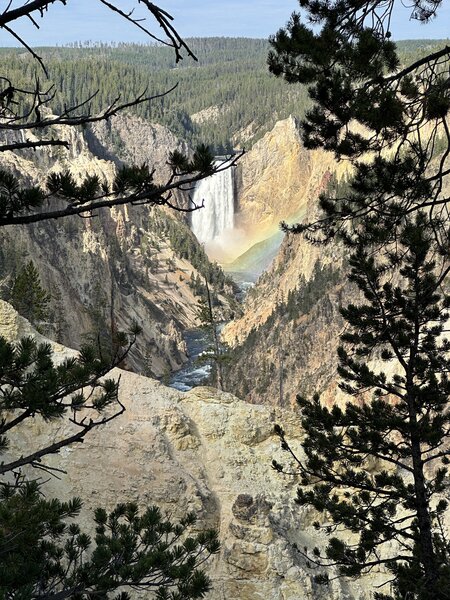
<point>28,296</point>
<point>368,104</point>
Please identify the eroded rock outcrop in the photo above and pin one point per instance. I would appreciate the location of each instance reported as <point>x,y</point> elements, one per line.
<point>280,352</point>
<point>204,451</point>
<point>276,355</point>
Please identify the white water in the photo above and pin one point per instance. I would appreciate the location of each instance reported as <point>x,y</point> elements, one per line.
<point>217,215</point>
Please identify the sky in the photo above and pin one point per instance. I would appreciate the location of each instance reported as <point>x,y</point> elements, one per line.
<point>82,20</point>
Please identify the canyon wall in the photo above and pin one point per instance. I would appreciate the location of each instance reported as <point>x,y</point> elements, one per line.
<point>285,342</point>
<point>276,355</point>
<point>276,179</point>
<point>204,451</point>
<point>119,266</point>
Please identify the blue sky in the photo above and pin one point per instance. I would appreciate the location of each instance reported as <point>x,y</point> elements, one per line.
<point>84,20</point>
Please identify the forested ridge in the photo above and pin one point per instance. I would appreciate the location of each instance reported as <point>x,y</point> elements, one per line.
<point>229,75</point>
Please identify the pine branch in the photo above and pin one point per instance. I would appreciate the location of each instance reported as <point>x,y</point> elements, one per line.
<point>153,197</point>
<point>56,447</point>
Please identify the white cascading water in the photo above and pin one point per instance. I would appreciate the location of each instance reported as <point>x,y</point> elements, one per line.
<point>217,215</point>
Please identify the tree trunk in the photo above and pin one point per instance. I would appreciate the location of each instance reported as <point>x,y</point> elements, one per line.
<point>427,553</point>
<point>216,340</point>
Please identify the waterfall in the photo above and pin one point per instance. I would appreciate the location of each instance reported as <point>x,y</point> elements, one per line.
<point>217,215</point>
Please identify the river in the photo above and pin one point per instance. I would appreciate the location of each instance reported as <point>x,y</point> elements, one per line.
<point>193,374</point>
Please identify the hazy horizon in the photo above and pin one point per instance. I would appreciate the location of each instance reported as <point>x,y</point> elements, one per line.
<point>204,37</point>
<point>257,19</point>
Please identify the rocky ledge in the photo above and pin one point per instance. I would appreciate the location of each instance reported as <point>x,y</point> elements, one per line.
<point>205,451</point>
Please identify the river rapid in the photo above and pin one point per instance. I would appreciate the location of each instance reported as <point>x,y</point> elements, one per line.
<point>195,373</point>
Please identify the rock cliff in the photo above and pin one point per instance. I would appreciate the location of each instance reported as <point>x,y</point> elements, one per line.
<point>285,343</point>
<point>119,266</point>
<point>275,355</point>
<point>276,179</point>
<point>204,451</point>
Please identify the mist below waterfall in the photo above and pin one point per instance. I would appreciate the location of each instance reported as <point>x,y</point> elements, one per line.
<point>216,193</point>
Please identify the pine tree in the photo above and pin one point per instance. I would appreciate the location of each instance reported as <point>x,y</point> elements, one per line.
<point>399,417</point>
<point>216,351</point>
<point>28,296</point>
<point>390,120</point>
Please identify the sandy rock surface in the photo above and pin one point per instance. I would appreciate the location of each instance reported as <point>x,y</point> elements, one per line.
<point>205,451</point>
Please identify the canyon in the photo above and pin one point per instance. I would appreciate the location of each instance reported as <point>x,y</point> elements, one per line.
<point>205,451</point>
<point>122,265</point>
<point>125,265</point>
<point>202,450</point>
<point>290,392</point>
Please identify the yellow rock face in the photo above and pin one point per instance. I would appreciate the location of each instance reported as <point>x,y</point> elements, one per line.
<point>275,180</point>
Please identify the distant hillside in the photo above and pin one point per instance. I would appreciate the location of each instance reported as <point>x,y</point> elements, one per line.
<point>227,98</point>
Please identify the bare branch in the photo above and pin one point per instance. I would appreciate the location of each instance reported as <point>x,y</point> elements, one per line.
<point>36,5</point>
<point>113,109</point>
<point>28,145</point>
<point>56,447</point>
